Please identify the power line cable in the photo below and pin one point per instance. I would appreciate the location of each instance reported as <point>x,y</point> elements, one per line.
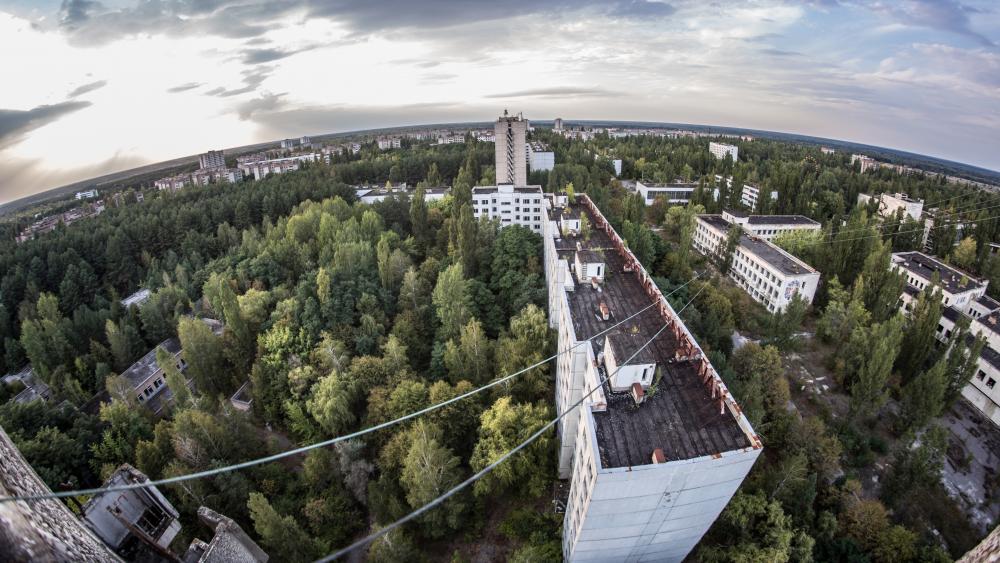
<point>482,473</point>
<point>325,443</point>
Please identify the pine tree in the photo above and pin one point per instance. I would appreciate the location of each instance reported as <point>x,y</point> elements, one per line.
<point>869,387</point>
<point>282,537</point>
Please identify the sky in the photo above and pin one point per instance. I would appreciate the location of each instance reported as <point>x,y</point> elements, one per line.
<point>97,86</point>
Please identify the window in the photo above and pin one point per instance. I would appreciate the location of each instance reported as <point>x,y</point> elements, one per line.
<point>981,375</point>
<point>990,383</point>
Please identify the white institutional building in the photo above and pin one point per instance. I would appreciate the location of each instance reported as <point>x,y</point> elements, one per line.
<point>720,150</point>
<point>771,276</point>
<point>889,204</point>
<point>540,156</point>
<point>655,452</point>
<point>963,295</point>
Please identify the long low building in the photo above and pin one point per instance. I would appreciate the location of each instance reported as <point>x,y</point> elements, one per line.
<point>673,193</point>
<point>768,227</point>
<point>659,445</point>
<point>771,276</point>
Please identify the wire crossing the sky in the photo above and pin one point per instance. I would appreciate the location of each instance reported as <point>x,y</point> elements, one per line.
<point>325,443</point>
<point>481,473</point>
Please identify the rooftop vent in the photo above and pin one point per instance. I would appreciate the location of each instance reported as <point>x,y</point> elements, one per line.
<point>605,311</point>
<point>638,393</point>
<point>594,283</point>
<point>579,245</point>
<point>658,456</point>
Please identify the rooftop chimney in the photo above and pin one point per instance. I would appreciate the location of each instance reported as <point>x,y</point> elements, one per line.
<point>658,456</point>
<point>594,284</point>
<point>638,393</point>
<point>605,311</point>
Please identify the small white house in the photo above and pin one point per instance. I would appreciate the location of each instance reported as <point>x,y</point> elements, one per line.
<point>618,348</point>
<point>589,266</point>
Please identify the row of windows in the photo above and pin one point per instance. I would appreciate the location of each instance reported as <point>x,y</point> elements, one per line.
<point>990,383</point>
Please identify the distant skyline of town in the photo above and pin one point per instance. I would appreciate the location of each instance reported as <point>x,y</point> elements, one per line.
<point>127,84</point>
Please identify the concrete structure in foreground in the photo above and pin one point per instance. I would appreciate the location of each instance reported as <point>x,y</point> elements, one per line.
<point>510,133</point>
<point>771,276</point>
<point>655,455</point>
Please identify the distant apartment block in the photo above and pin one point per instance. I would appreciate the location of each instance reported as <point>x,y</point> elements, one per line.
<point>386,143</point>
<point>751,195</point>
<point>212,159</point>
<point>511,205</point>
<point>827,150</point>
<point>771,276</point>
<point>768,227</point>
<point>540,156</point>
<point>173,183</point>
<point>510,132</point>
<point>867,162</point>
<point>374,195</point>
<point>259,169</point>
<point>889,204</point>
<point>654,453</point>
<point>934,227</point>
<point>720,150</point>
<point>89,194</point>
<point>617,164</point>
<point>222,175</point>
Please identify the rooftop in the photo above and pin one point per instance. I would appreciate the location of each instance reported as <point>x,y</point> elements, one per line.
<point>538,146</point>
<point>988,302</point>
<point>667,185</point>
<point>774,256</point>
<point>771,219</point>
<point>137,298</point>
<point>924,266</point>
<point>590,256</point>
<point>517,189</point>
<point>625,343</point>
<point>681,417</point>
<point>147,366</point>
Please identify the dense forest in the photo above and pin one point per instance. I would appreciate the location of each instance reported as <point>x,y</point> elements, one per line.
<point>342,315</point>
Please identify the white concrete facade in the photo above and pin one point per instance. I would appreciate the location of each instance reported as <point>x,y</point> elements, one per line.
<point>720,150</point>
<point>510,205</point>
<point>751,195</point>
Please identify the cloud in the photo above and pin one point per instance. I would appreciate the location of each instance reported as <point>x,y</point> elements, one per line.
<point>554,92</point>
<point>780,52</point>
<point>16,123</point>
<point>257,56</point>
<point>74,12</point>
<point>184,87</point>
<point>264,103</point>
<point>24,177</point>
<point>81,90</point>
<point>643,9</point>
<point>946,15</point>
<point>252,78</point>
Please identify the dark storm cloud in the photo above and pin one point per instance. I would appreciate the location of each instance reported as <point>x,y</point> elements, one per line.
<point>184,87</point>
<point>81,90</point>
<point>554,92</point>
<point>265,103</point>
<point>15,123</point>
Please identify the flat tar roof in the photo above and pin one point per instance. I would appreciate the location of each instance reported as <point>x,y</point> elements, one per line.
<point>774,256</point>
<point>681,417</point>
<point>926,266</point>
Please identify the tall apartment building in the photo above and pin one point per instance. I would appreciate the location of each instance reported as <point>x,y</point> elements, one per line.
<point>510,132</point>
<point>720,150</point>
<point>89,194</point>
<point>655,453</point>
<point>212,159</point>
<point>889,204</point>
<point>768,274</point>
<point>557,125</point>
<point>511,205</point>
<point>540,156</point>
<point>867,162</point>
<point>768,227</point>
